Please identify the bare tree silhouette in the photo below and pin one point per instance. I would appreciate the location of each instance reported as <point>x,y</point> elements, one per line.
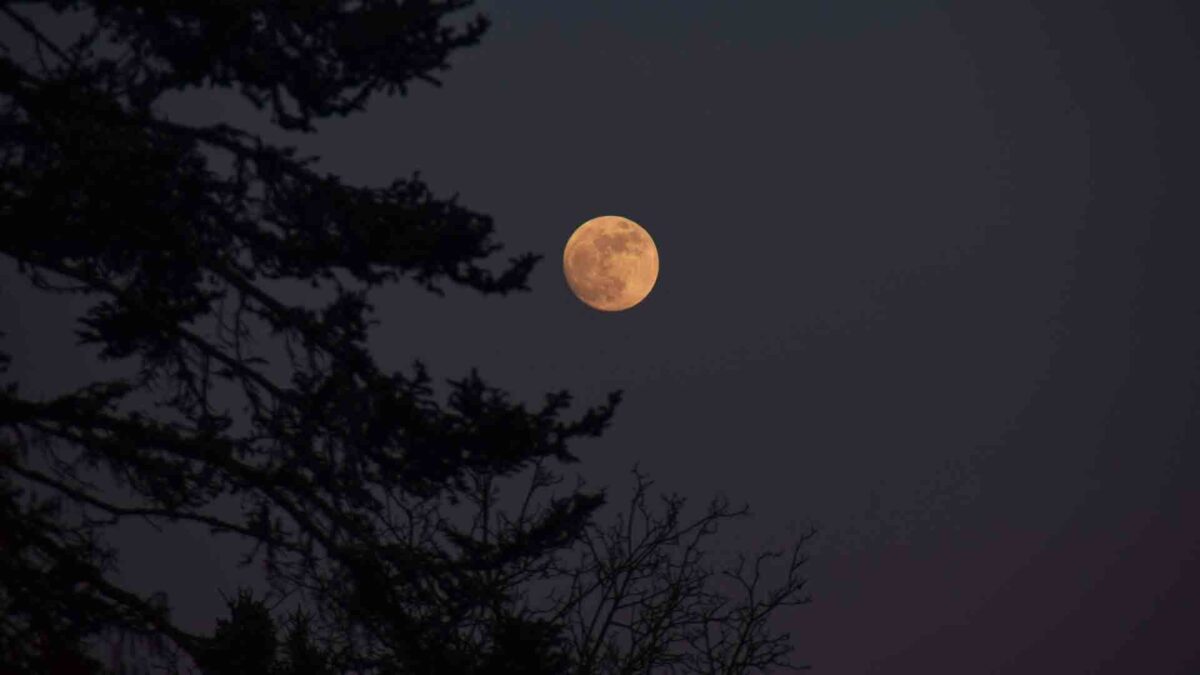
<point>644,594</point>
<point>365,494</point>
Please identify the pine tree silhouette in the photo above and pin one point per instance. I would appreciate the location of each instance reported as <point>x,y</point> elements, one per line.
<point>352,480</point>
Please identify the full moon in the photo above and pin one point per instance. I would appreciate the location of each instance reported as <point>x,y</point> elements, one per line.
<point>610,263</point>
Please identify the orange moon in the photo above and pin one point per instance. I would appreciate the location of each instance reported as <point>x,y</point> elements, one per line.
<point>610,263</point>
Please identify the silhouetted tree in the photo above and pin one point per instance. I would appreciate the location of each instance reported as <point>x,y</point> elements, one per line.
<point>368,496</point>
<point>646,594</point>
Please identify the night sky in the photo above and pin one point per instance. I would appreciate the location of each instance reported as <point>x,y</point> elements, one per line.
<point>930,280</point>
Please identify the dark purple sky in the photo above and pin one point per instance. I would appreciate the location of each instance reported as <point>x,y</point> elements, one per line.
<point>930,278</point>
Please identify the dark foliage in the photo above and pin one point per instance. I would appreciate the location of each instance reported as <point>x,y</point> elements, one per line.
<point>369,498</point>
